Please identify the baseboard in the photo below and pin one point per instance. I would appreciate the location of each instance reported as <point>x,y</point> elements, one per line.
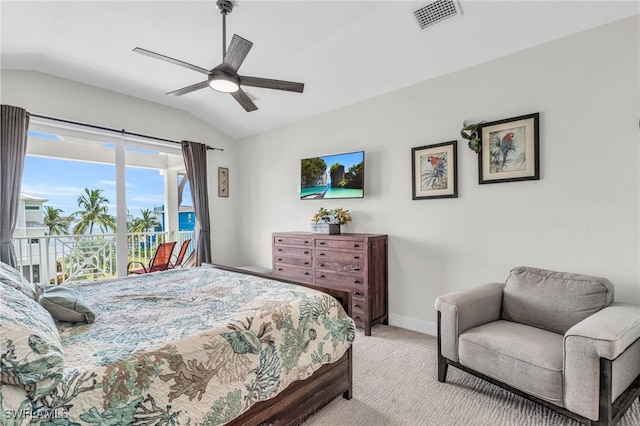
<point>413,324</point>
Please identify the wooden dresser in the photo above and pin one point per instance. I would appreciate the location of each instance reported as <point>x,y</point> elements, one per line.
<point>353,262</point>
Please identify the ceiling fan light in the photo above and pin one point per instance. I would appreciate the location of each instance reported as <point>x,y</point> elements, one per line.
<point>223,82</point>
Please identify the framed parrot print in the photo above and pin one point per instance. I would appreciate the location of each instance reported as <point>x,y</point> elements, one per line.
<point>510,150</point>
<point>435,171</point>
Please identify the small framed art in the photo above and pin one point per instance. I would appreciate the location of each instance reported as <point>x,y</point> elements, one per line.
<point>510,150</point>
<point>223,182</point>
<point>435,171</point>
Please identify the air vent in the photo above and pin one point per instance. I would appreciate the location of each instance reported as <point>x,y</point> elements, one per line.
<point>435,12</point>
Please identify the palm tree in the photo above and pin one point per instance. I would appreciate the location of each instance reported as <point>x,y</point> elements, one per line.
<point>95,211</point>
<point>146,222</point>
<point>57,225</point>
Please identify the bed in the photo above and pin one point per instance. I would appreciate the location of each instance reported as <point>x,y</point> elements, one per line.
<point>201,346</point>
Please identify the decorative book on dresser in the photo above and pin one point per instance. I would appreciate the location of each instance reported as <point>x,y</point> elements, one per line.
<point>353,262</point>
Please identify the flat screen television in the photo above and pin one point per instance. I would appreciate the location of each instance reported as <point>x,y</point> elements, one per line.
<point>332,176</point>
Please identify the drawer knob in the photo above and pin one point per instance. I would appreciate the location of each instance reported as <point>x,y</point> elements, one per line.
<point>356,282</point>
<point>356,269</point>
<point>306,273</point>
<point>323,276</point>
<point>279,269</point>
<point>321,264</point>
<point>306,241</point>
<point>306,263</point>
<point>321,254</point>
<point>322,243</point>
<point>279,259</point>
<point>306,252</point>
<point>356,257</point>
<point>279,249</point>
<point>279,240</point>
<point>356,245</point>
<point>357,306</point>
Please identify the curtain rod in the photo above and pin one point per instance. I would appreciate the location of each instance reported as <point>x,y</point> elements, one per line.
<point>93,126</point>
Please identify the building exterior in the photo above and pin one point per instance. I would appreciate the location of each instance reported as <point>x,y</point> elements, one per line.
<point>28,233</point>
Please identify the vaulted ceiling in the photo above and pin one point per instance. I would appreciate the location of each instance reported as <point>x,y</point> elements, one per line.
<point>344,51</point>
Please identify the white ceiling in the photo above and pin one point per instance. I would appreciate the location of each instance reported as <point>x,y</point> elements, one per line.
<point>344,51</point>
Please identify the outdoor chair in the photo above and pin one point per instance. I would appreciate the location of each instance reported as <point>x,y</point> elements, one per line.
<point>181,254</point>
<point>160,261</point>
<point>554,338</point>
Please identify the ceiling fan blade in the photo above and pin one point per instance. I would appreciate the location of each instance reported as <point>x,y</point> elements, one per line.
<point>268,83</point>
<point>244,100</point>
<point>170,60</point>
<point>236,53</point>
<point>189,89</point>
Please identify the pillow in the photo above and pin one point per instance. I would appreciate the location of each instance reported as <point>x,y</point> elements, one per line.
<point>30,348</point>
<point>64,303</point>
<point>553,301</point>
<point>13,278</point>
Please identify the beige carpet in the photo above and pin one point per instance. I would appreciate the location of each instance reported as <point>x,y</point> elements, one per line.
<point>395,383</point>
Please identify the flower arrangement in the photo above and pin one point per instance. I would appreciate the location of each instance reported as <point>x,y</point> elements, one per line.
<point>335,216</point>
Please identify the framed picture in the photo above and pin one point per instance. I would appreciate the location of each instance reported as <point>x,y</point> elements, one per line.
<point>435,171</point>
<point>223,182</point>
<point>510,150</point>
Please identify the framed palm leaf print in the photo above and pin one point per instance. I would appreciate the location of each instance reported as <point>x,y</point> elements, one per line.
<point>435,171</point>
<point>510,150</point>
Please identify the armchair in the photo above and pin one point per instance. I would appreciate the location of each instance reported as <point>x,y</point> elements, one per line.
<point>552,337</point>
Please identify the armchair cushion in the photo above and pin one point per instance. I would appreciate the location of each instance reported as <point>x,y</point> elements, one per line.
<point>527,358</point>
<point>553,301</point>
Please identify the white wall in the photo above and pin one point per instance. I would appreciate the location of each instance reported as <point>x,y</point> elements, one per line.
<point>582,216</point>
<point>47,95</point>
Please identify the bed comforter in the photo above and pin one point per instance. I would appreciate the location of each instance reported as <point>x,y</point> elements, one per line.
<point>195,346</point>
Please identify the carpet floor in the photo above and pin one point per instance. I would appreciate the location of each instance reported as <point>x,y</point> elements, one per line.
<point>395,383</point>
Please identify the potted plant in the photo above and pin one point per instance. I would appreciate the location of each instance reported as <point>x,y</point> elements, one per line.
<point>327,221</point>
<point>470,133</point>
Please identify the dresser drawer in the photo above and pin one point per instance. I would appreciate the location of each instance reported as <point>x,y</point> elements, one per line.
<point>293,272</point>
<point>292,241</point>
<point>349,244</point>
<point>347,281</point>
<point>339,266</point>
<point>339,256</point>
<point>293,260</point>
<point>292,251</point>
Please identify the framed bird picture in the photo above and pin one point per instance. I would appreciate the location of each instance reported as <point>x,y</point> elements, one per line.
<point>510,150</point>
<point>435,171</point>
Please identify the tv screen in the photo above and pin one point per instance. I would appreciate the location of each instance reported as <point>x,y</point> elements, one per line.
<point>332,176</point>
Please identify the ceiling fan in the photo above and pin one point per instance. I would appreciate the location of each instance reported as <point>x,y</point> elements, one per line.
<point>225,77</point>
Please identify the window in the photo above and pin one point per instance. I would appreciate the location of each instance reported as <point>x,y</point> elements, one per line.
<point>29,207</point>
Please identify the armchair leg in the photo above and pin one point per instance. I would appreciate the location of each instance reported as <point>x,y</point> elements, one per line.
<point>442,362</point>
<point>606,403</point>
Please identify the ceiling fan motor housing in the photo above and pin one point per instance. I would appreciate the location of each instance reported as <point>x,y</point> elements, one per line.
<point>223,82</point>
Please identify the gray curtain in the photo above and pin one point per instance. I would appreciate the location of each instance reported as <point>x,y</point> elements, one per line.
<point>14,125</point>
<point>195,161</point>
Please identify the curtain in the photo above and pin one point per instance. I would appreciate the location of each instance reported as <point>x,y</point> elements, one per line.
<point>14,125</point>
<point>195,161</point>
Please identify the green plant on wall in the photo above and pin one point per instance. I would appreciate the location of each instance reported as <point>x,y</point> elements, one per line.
<point>470,133</point>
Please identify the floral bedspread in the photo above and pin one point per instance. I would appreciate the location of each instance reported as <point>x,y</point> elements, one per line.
<point>195,346</point>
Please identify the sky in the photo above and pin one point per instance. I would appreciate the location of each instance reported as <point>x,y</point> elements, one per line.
<point>63,181</point>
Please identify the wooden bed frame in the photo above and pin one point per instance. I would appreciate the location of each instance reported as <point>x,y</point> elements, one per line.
<point>303,398</point>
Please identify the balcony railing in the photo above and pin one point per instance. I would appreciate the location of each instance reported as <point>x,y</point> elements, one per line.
<point>56,259</point>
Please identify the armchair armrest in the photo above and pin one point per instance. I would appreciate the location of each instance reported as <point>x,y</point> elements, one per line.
<point>465,309</point>
<point>613,333</point>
